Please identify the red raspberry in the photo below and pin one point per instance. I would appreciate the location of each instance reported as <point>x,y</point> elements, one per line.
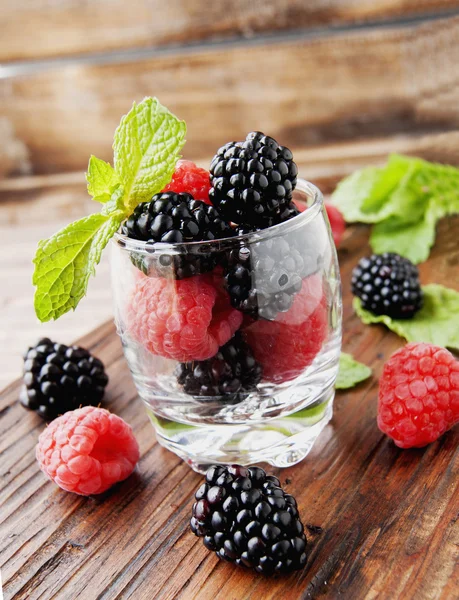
<point>187,319</point>
<point>87,450</point>
<point>190,178</point>
<point>337,222</point>
<point>287,345</point>
<point>418,395</point>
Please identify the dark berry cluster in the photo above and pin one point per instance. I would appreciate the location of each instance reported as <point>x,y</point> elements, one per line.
<point>388,284</point>
<point>253,181</point>
<point>247,518</point>
<point>230,375</point>
<point>59,378</point>
<point>175,218</point>
<point>263,278</point>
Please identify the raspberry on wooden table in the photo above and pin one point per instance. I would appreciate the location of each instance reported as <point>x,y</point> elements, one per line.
<point>192,179</point>
<point>418,395</point>
<point>87,450</point>
<point>186,320</point>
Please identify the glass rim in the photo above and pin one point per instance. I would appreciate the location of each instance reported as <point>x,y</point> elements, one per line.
<point>130,244</point>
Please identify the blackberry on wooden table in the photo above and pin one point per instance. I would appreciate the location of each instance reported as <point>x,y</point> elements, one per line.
<point>244,516</point>
<point>59,378</point>
<point>228,376</point>
<point>253,181</point>
<point>388,284</point>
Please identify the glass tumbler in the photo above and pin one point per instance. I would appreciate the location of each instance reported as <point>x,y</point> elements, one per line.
<point>234,344</point>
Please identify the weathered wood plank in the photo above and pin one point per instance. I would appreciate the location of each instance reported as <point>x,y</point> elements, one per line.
<point>304,92</point>
<point>32,30</point>
<point>389,517</point>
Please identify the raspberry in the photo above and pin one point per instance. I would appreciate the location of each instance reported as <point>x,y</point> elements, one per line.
<point>286,346</point>
<point>418,395</point>
<point>247,518</point>
<point>190,178</point>
<point>58,378</point>
<point>185,320</point>
<point>87,450</point>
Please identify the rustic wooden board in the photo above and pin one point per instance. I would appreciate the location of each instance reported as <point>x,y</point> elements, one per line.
<point>33,30</point>
<point>389,517</point>
<point>304,92</point>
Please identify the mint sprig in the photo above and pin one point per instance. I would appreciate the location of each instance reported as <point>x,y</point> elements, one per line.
<point>351,372</point>
<point>404,199</point>
<point>146,148</point>
<point>436,323</point>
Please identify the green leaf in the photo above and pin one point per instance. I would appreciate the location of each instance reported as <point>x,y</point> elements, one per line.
<point>146,148</point>
<point>64,263</point>
<point>351,372</point>
<point>436,323</point>
<point>102,179</point>
<point>412,240</point>
<point>363,196</point>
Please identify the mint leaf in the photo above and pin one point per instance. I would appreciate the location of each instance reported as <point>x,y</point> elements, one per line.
<point>436,323</point>
<point>146,148</point>
<point>412,240</point>
<point>351,372</point>
<point>102,179</point>
<point>64,263</point>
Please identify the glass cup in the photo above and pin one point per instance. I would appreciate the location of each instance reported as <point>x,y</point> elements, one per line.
<point>234,344</point>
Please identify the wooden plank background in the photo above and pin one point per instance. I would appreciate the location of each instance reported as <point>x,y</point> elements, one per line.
<point>34,29</point>
<point>305,91</point>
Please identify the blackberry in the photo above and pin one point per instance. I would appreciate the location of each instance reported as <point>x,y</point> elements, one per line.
<point>230,375</point>
<point>175,218</point>
<point>253,181</point>
<point>59,378</point>
<point>388,284</point>
<point>246,517</point>
<point>262,278</point>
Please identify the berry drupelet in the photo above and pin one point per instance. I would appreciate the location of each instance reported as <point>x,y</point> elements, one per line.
<point>175,218</point>
<point>244,516</point>
<point>59,378</point>
<point>230,375</point>
<point>252,181</point>
<point>388,284</point>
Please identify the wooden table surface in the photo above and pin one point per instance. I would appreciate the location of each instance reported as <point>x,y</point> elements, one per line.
<point>341,82</point>
<point>381,522</point>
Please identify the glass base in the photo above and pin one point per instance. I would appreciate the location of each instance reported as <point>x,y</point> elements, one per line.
<point>280,442</point>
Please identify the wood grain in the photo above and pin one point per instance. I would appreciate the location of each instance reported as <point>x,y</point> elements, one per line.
<point>389,517</point>
<point>305,92</point>
<point>33,30</point>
